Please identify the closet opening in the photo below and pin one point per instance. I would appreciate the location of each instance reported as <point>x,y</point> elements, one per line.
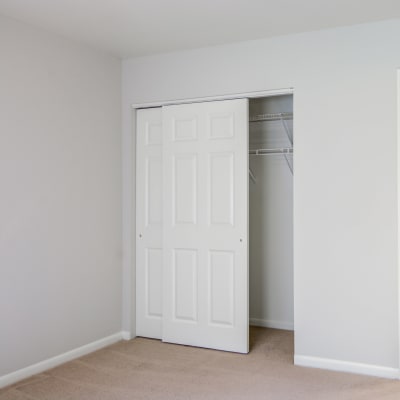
<point>214,222</point>
<point>271,169</point>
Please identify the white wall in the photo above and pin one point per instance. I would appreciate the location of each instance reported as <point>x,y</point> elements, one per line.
<point>60,201</point>
<point>345,255</point>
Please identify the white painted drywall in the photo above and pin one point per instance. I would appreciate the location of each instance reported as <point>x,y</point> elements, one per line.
<point>60,201</point>
<point>270,219</point>
<point>345,250</point>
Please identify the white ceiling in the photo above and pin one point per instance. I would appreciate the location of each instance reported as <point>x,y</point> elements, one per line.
<point>142,27</point>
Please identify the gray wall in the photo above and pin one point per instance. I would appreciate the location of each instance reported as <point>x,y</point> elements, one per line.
<point>60,203</point>
<point>345,205</point>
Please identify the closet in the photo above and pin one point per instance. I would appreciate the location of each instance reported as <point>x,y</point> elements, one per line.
<point>208,237</point>
<point>271,212</point>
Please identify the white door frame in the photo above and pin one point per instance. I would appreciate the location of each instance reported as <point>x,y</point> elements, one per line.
<point>398,207</point>
<point>129,225</point>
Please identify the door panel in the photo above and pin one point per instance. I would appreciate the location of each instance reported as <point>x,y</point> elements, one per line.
<point>221,179</point>
<point>184,189</point>
<point>205,233</point>
<point>149,252</point>
<point>153,284</point>
<point>222,293</point>
<point>185,284</point>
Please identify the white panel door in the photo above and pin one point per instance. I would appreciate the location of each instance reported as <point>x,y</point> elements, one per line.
<point>149,223</point>
<point>205,241</point>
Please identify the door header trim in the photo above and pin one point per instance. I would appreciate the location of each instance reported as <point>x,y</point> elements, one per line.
<point>250,95</point>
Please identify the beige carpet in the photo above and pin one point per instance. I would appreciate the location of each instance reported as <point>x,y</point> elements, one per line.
<point>149,369</point>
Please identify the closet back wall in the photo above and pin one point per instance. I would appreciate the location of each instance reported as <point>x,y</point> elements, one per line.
<point>345,207</point>
<point>271,218</point>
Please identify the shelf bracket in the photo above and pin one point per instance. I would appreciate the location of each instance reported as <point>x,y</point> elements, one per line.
<point>287,130</point>
<point>288,163</point>
<point>252,177</point>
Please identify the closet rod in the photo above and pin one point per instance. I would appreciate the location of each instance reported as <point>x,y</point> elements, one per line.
<point>270,117</point>
<point>262,152</point>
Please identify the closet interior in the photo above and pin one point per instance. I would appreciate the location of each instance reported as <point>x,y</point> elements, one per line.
<point>271,212</point>
<point>211,257</point>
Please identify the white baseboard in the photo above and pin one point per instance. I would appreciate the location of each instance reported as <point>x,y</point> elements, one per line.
<point>126,335</point>
<point>267,323</point>
<point>347,366</point>
<point>34,369</point>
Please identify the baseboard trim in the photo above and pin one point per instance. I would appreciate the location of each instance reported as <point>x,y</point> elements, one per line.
<point>268,323</point>
<point>126,335</point>
<point>347,366</point>
<point>34,369</point>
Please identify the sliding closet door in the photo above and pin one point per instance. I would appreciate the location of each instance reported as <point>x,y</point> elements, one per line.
<point>149,223</point>
<point>205,240</point>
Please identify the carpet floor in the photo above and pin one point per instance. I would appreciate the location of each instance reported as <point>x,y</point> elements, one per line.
<point>152,370</point>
